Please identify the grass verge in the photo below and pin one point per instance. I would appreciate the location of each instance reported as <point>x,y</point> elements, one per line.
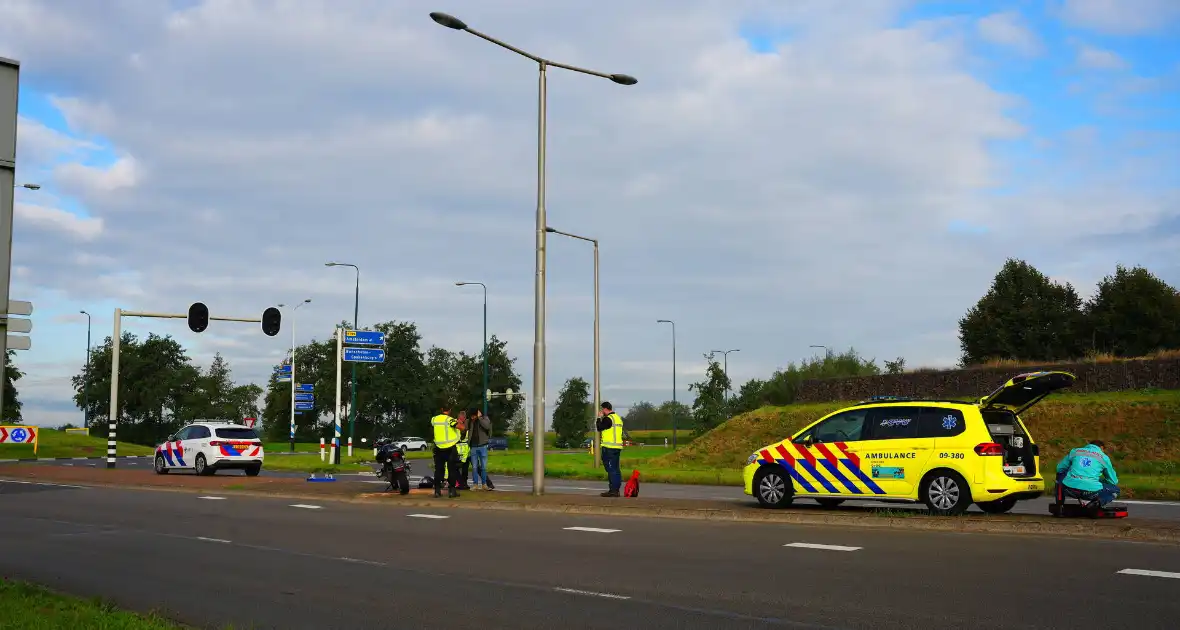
<point>30,607</point>
<point>55,443</point>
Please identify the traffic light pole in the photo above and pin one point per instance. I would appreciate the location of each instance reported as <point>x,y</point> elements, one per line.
<point>116,340</point>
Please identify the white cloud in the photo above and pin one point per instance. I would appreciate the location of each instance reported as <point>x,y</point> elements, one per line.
<point>42,217</point>
<point>1008,29</point>
<point>1099,59</point>
<point>1121,17</point>
<point>766,202</point>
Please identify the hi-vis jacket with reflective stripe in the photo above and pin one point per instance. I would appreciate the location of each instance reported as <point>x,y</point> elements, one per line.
<point>445,433</point>
<point>613,436</point>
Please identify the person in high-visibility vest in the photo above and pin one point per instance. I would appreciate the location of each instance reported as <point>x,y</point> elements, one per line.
<point>610,425</point>
<point>446,438</point>
<point>464,449</point>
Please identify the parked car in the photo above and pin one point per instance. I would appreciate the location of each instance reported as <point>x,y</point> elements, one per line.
<point>207,447</point>
<point>498,444</point>
<point>412,444</point>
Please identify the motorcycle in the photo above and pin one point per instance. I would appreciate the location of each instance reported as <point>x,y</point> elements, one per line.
<point>394,467</point>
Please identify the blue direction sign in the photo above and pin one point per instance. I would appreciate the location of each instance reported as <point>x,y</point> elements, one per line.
<point>304,397</point>
<point>283,378</point>
<point>304,387</point>
<point>304,406</point>
<point>364,355</point>
<point>364,337</point>
<point>283,369</point>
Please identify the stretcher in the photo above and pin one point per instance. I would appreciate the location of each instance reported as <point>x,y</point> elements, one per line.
<point>1072,507</point>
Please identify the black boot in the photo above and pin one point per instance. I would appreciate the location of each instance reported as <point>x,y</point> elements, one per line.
<point>453,494</point>
<point>610,493</point>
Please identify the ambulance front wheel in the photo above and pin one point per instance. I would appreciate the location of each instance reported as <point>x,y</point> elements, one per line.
<point>773,488</point>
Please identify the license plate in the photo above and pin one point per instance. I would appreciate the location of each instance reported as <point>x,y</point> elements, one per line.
<point>1014,470</point>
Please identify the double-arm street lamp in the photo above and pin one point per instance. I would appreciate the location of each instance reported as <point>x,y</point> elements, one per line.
<point>86,381</point>
<point>484,394</point>
<point>538,392</point>
<point>356,307</point>
<point>725,368</point>
<point>597,387</point>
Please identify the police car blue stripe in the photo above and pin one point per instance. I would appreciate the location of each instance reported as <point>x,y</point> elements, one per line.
<point>818,477</point>
<point>835,470</point>
<point>863,477</point>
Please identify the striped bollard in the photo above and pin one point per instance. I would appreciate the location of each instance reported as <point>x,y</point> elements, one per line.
<point>350,446</point>
<point>321,449</point>
<point>332,451</point>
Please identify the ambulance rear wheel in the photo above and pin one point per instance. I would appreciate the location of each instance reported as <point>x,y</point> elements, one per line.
<point>945,492</point>
<point>161,467</point>
<point>997,507</point>
<point>773,488</point>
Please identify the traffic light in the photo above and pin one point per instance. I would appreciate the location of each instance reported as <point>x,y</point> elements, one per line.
<point>270,321</point>
<point>198,317</point>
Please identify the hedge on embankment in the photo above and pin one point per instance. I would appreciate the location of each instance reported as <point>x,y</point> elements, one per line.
<point>1141,429</point>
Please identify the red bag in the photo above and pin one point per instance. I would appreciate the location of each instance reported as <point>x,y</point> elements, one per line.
<point>632,487</point>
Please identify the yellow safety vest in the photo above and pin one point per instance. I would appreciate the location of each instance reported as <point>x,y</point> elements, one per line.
<point>613,437</point>
<point>464,446</point>
<point>445,433</point>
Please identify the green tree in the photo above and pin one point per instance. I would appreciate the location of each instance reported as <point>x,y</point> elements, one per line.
<point>571,416</point>
<point>896,366</point>
<point>1024,316</point>
<point>1134,313</point>
<point>12,404</point>
<point>782,386</point>
<point>710,409</point>
<point>641,416</point>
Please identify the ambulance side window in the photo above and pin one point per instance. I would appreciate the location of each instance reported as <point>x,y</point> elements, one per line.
<point>843,427</point>
<point>941,423</point>
<point>893,423</point>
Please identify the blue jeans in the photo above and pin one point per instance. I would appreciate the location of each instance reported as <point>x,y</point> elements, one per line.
<point>1103,497</point>
<point>610,461</point>
<point>479,464</point>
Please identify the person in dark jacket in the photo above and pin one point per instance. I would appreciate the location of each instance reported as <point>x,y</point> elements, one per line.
<point>610,425</point>
<point>481,434</point>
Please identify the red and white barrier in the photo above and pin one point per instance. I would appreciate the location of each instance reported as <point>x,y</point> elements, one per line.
<point>350,446</point>
<point>321,449</point>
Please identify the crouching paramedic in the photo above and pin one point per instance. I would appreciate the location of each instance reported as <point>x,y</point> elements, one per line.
<point>1087,474</point>
<point>446,436</point>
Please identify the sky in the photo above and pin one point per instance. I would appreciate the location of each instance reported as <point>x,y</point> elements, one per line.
<point>785,174</point>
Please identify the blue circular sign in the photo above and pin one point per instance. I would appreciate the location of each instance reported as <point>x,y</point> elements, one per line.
<point>19,435</point>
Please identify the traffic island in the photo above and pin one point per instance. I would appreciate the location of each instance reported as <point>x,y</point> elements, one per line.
<point>1132,528</point>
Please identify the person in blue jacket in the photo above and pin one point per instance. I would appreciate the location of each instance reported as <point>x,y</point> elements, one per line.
<point>1087,474</point>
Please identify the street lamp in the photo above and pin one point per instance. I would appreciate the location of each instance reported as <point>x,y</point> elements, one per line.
<point>597,387</point>
<point>725,359</point>
<point>818,346</point>
<point>307,301</point>
<point>355,325</point>
<point>484,395</point>
<point>675,408</point>
<point>86,381</point>
<point>543,65</point>
<point>29,186</point>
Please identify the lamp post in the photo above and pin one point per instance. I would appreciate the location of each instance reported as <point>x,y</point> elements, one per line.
<point>543,65</point>
<point>86,381</point>
<point>597,387</point>
<point>725,360</point>
<point>818,346</point>
<point>484,394</point>
<point>296,308</point>
<point>675,409</point>
<point>355,325</point>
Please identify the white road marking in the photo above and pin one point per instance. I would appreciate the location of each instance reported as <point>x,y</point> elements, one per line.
<point>1160,503</point>
<point>824,547</point>
<point>41,483</point>
<point>575,591</point>
<point>427,516</point>
<point>216,540</point>
<point>67,464</point>
<point>212,498</point>
<point>598,530</point>
<point>306,507</point>
<point>1159,574</point>
<point>357,561</point>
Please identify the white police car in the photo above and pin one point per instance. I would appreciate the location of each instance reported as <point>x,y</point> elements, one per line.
<point>206,447</point>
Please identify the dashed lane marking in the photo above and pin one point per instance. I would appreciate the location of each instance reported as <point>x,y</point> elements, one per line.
<point>42,483</point>
<point>306,507</point>
<point>597,530</point>
<point>1146,573</point>
<point>427,516</point>
<point>574,591</point>
<point>216,540</point>
<point>800,545</point>
<point>212,498</point>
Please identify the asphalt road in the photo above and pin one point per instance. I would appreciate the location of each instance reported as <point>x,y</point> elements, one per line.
<point>269,563</point>
<point>1159,510</point>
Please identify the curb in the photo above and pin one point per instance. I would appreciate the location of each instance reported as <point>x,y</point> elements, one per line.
<point>1072,528</point>
<point>26,460</point>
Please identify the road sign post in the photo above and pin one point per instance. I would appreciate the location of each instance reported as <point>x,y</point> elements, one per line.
<point>336,436</point>
<point>361,355</point>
